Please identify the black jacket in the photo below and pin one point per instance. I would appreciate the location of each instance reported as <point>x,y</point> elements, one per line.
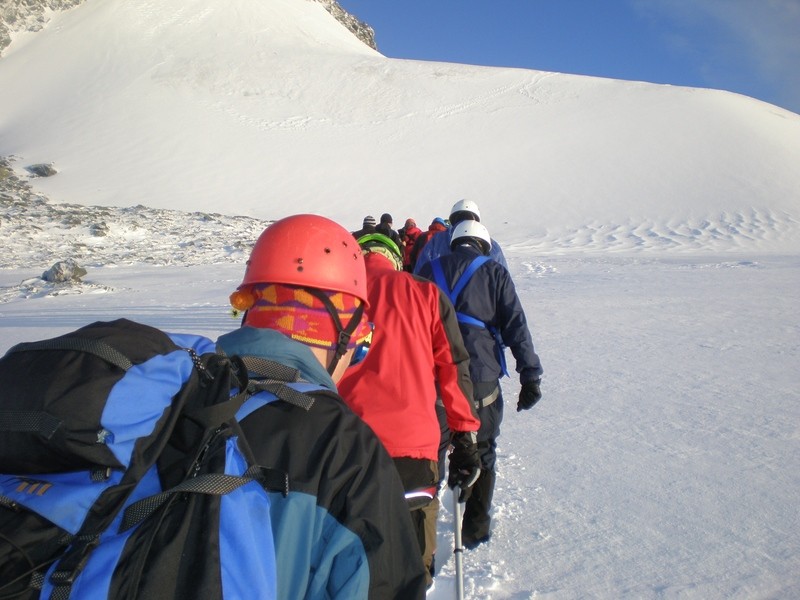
<point>364,231</point>
<point>390,233</point>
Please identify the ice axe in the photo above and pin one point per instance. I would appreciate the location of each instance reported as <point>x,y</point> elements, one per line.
<point>458,551</point>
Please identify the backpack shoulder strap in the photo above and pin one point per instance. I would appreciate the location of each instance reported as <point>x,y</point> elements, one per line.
<point>281,382</point>
<point>439,278</point>
<point>467,275</point>
<point>441,281</point>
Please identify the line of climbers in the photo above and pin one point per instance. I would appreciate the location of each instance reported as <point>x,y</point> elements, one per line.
<point>394,370</point>
<point>410,239</point>
<point>481,311</point>
<point>433,402</point>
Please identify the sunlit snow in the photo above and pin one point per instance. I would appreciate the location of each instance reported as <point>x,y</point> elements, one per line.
<point>653,233</point>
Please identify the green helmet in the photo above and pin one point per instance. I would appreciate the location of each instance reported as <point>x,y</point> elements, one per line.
<point>382,244</point>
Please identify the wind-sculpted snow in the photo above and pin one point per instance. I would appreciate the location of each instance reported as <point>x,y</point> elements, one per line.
<point>754,231</point>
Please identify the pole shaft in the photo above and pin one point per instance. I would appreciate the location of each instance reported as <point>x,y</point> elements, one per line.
<point>458,551</point>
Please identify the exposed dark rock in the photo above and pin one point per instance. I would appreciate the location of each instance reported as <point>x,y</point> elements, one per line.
<point>41,170</point>
<point>72,219</point>
<point>360,29</point>
<point>99,229</point>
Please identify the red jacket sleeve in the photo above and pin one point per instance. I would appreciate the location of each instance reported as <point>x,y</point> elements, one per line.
<point>451,361</point>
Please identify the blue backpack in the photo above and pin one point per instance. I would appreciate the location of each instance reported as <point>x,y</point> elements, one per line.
<point>124,470</point>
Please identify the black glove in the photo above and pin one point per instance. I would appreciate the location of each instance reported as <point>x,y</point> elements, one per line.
<point>529,395</point>
<point>465,464</point>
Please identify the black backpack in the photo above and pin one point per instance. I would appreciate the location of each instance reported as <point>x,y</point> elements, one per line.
<point>124,471</point>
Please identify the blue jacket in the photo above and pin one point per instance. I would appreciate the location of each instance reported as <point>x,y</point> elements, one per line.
<point>490,297</point>
<point>344,529</point>
<point>439,245</point>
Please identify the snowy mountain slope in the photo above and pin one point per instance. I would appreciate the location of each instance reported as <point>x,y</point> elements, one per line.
<point>19,16</point>
<point>641,224</point>
<point>276,103</point>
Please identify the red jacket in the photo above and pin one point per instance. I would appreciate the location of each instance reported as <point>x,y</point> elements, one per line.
<point>411,235</point>
<point>416,344</point>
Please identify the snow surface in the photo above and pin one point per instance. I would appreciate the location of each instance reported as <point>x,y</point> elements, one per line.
<point>652,233</point>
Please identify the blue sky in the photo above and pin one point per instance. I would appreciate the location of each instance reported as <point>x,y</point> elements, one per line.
<point>747,46</point>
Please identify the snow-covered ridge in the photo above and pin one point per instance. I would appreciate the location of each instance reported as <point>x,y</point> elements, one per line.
<point>33,15</point>
<point>266,108</point>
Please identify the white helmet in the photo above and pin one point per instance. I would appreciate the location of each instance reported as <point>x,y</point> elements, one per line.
<point>465,206</point>
<point>474,230</point>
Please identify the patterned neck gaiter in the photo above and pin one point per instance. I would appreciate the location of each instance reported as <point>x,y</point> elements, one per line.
<point>302,316</point>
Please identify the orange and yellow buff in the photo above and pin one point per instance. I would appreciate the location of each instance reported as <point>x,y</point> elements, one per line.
<point>303,317</point>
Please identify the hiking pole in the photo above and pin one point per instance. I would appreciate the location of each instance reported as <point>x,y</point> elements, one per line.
<point>458,551</point>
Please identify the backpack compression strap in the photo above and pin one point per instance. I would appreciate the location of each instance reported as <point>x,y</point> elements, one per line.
<point>216,484</point>
<point>272,377</point>
<point>252,375</point>
<point>90,346</point>
<point>220,484</point>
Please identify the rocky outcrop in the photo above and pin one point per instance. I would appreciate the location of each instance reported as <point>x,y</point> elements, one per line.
<point>41,170</point>
<point>39,233</point>
<point>360,29</point>
<point>27,15</point>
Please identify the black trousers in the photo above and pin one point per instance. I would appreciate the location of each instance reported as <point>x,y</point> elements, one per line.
<point>416,474</point>
<point>476,522</point>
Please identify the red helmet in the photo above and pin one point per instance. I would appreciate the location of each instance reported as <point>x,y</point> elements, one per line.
<point>308,251</point>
